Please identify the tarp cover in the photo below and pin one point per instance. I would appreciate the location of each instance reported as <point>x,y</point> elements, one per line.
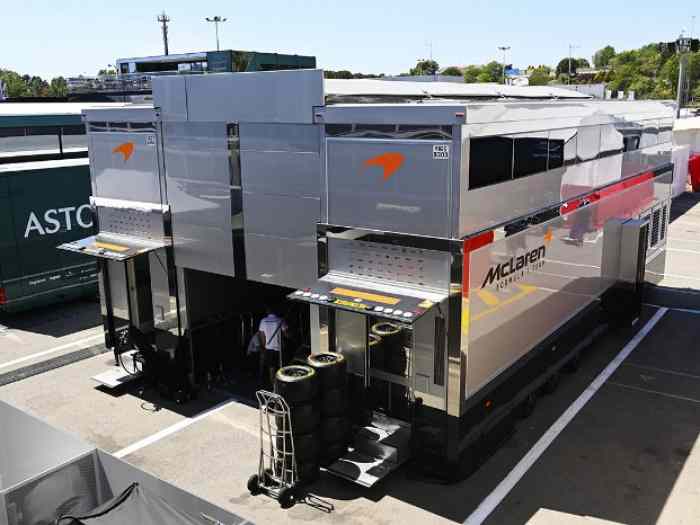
<point>135,505</point>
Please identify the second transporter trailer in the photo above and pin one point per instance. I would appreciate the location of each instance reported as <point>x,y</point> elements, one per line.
<point>455,243</point>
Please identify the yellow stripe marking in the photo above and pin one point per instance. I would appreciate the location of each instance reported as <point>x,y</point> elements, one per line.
<point>112,247</point>
<point>367,296</point>
<point>491,299</point>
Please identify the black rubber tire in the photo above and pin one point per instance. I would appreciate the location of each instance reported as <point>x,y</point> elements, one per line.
<point>551,384</point>
<point>334,402</point>
<point>573,364</point>
<point>331,369</point>
<point>297,384</point>
<point>334,430</point>
<point>254,485</point>
<point>305,418</point>
<point>306,446</point>
<point>287,497</point>
<point>331,452</point>
<point>526,407</point>
<point>308,472</point>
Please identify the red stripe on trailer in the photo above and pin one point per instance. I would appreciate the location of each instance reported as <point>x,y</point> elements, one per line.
<point>471,244</point>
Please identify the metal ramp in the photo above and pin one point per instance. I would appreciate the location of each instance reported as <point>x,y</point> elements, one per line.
<point>116,376</point>
<point>379,449</point>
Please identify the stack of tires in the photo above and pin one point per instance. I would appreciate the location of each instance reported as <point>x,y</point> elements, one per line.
<point>392,352</point>
<point>335,428</point>
<point>298,385</point>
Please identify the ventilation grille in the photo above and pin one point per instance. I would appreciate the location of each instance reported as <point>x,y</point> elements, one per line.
<point>655,228</point>
<point>664,219</point>
<point>386,262</point>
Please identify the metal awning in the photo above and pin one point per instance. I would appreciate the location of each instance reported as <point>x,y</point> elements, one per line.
<point>386,301</point>
<point>113,247</point>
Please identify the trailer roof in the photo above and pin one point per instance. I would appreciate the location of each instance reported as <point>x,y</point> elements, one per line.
<point>42,165</point>
<point>382,88</point>
<point>13,114</point>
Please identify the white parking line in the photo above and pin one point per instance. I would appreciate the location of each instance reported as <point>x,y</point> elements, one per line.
<point>172,429</point>
<point>79,343</point>
<point>489,504</point>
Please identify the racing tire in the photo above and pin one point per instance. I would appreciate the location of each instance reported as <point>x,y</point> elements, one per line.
<point>331,369</point>
<point>305,418</point>
<point>332,452</point>
<point>334,430</point>
<point>306,446</point>
<point>308,472</point>
<point>334,402</point>
<point>297,384</point>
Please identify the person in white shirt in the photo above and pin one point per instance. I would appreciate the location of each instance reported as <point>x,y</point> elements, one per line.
<point>270,334</point>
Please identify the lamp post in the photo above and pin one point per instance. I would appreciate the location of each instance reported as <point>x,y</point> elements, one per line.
<point>504,49</point>
<point>683,45</point>
<point>217,20</point>
<point>571,50</point>
<point>164,19</point>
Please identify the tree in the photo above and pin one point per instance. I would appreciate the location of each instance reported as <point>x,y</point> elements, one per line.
<point>563,66</point>
<point>602,57</point>
<point>539,76</point>
<point>452,71</point>
<point>106,73</point>
<point>58,87</point>
<point>471,73</point>
<point>491,72</point>
<point>15,85</point>
<point>425,67</point>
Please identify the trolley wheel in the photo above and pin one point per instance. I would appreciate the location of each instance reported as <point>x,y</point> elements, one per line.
<point>335,430</point>
<point>296,384</point>
<point>305,418</point>
<point>331,369</point>
<point>551,384</point>
<point>254,485</point>
<point>334,402</point>
<point>287,497</point>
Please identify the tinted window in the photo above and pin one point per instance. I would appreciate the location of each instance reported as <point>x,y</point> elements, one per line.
<point>530,155</point>
<point>490,161</point>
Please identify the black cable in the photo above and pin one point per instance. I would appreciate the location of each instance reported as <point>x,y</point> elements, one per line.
<point>119,501</point>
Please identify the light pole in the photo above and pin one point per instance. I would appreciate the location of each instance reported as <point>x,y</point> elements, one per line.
<point>217,20</point>
<point>164,19</point>
<point>683,45</point>
<point>571,50</point>
<point>504,49</point>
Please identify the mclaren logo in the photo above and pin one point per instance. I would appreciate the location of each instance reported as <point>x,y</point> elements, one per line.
<point>126,149</point>
<point>517,267</point>
<point>389,162</point>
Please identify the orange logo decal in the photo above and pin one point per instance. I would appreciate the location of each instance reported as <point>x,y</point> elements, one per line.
<point>389,162</point>
<point>548,236</point>
<point>126,149</point>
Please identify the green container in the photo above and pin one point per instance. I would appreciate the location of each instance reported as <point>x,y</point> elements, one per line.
<point>44,204</point>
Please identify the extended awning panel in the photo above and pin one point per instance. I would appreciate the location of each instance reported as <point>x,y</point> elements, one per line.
<point>113,247</point>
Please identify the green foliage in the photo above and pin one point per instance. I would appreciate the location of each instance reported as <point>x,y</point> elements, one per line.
<point>602,57</point>
<point>452,71</point>
<point>540,76</point>
<point>425,67</point>
<point>32,86</point>
<point>471,73</point>
<point>345,74</point>
<point>491,72</point>
<point>563,65</point>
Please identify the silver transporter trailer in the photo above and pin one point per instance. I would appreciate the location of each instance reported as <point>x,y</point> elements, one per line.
<point>478,231</point>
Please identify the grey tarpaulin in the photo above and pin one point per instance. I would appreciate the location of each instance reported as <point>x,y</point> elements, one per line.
<point>135,505</point>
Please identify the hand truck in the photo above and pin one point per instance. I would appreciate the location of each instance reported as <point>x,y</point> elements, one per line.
<point>277,469</point>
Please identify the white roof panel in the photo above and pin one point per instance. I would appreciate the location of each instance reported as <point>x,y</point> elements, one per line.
<point>24,109</point>
<point>370,87</point>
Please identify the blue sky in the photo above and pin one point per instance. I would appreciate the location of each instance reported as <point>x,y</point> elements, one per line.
<point>72,37</point>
